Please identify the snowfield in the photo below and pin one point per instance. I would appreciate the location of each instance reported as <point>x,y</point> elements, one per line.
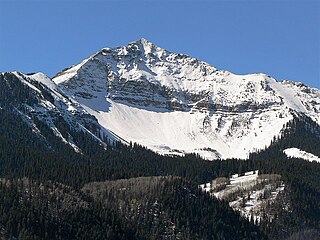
<point>182,132</point>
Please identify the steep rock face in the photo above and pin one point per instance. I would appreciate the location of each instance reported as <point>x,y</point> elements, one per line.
<point>176,104</point>
<point>141,73</point>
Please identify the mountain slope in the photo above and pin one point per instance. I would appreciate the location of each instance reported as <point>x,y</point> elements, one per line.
<point>34,110</point>
<point>175,104</point>
<point>47,111</point>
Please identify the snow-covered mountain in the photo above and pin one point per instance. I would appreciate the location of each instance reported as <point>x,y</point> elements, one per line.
<point>41,106</point>
<point>176,104</point>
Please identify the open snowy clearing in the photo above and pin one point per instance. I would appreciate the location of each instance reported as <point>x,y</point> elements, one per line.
<point>297,153</point>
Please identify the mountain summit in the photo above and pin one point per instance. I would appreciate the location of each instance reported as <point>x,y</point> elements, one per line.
<point>176,104</point>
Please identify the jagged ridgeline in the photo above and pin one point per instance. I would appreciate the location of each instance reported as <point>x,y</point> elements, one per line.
<point>175,104</point>
<point>72,167</point>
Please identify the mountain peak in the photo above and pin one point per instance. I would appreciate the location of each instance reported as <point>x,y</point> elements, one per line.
<point>141,44</point>
<point>142,41</point>
<point>127,87</point>
<point>145,45</point>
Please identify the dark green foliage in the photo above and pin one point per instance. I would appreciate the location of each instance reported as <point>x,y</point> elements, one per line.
<point>171,208</point>
<point>33,210</point>
<point>206,217</point>
<point>13,91</point>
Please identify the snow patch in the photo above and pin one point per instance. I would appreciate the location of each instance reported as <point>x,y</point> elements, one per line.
<point>26,82</point>
<point>44,79</point>
<point>297,153</point>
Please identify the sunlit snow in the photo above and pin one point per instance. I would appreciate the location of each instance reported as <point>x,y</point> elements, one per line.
<point>297,153</point>
<point>176,104</point>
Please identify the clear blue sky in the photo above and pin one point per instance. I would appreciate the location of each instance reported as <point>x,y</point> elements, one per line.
<point>280,38</point>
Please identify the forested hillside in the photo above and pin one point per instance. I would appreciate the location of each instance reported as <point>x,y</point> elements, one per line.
<point>155,208</point>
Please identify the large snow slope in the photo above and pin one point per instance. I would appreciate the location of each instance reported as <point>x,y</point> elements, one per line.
<point>176,104</point>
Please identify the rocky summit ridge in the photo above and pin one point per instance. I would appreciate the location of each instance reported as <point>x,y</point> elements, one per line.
<point>175,104</point>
